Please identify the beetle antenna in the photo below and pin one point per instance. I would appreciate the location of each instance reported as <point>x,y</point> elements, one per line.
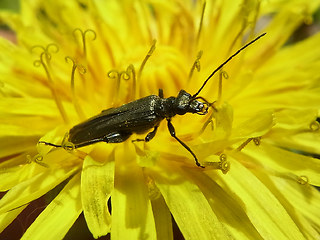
<point>50,144</point>
<point>225,62</point>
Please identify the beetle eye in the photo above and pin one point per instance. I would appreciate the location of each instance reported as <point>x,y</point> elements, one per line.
<point>202,108</point>
<point>198,107</point>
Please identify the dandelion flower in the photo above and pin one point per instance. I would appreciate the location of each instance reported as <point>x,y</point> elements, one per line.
<point>74,59</point>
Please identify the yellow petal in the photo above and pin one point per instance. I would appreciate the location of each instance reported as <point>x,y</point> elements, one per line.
<point>276,88</point>
<point>286,162</point>
<point>29,107</point>
<point>293,120</point>
<point>224,120</point>
<point>291,58</point>
<point>8,217</point>
<point>300,200</point>
<point>162,218</point>
<point>265,212</point>
<point>304,198</point>
<point>256,126</point>
<point>33,188</point>
<point>15,129</point>
<point>305,142</point>
<point>288,17</point>
<point>14,175</point>
<point>13,162</point>
<point>227,209</point>
<point>188,205</point>
<point>10,146</point>
<point>96,187</point>
<point>58,217</point>
<point>131,208</point>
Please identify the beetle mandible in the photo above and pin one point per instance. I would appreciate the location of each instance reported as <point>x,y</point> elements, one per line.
<point>116,125</point>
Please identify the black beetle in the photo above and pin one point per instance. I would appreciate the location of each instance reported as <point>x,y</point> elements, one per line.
<point>116,125</point>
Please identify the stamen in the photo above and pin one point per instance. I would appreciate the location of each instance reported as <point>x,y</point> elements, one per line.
<point>114,74</point>
<point>50,48</point>
<point>196,65</point>
<point>246,23</point>
<point>37,159</point>
<point>223,157</point>
<point>223,74</point>
<point>41,62</point>
<point>223,164</point>
<point>255,19</point>
<point>82,70</point>
<point>257,141</point>
<point>314,126</point>
<point>303,180</point>
<point>83,38</point>
<point>244,144</point>
<point>210,119</point>
<point>239,34</point>
<point>129,73</point>
<point>205,125</point>
<point>126,75</point>
<point>201,21</point>
<point>150,52</point>
<point>68,146</point>
<point>29,159</point>
<point>131,70</point>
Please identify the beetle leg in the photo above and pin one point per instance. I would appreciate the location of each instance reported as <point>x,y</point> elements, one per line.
<point>161,93</point>
<point>149,136</point>
<point>173,134</point>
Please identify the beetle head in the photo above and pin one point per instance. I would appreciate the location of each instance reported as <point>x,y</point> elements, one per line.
<point>185,103</point>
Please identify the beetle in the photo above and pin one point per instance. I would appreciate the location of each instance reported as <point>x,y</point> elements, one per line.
<point>115,125</point>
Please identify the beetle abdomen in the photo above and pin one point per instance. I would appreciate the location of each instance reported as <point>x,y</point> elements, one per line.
<point>135,117</point>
